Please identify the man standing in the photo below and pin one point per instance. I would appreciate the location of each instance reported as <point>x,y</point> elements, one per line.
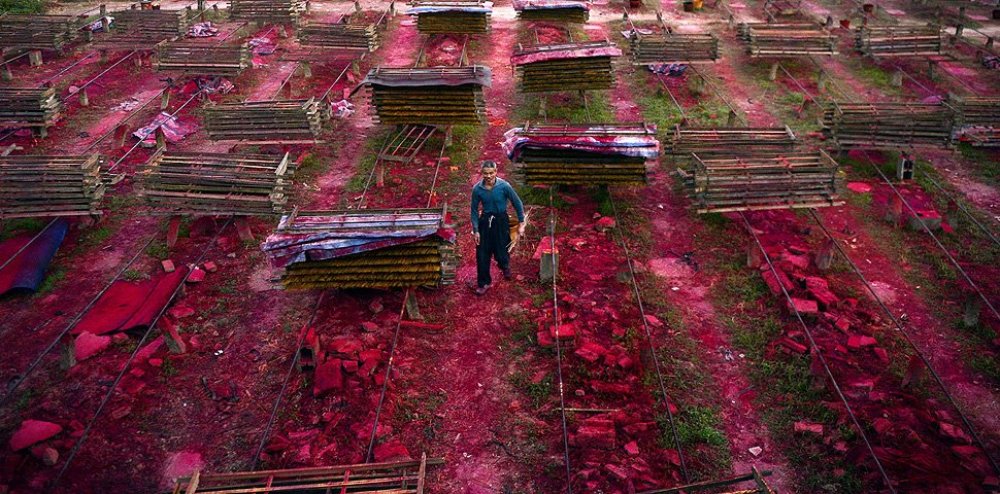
<point>491,228</point>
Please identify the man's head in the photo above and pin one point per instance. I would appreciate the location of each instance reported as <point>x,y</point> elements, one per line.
<point>489,172</point>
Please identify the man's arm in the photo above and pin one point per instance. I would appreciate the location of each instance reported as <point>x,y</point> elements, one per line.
<point>475,210</point>
<point>516,201</point>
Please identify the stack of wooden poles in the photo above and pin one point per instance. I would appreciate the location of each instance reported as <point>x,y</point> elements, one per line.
<point>568,11</point>
<point>888,125</point>
<point>262,121</point>
<point>585,154</point>
<point>215,183</point>
<point>659,48</point>
<point>898,41</point>
<point>798,180</point>
<point>430,96</point>
<point>38,108</point>
<point>38,32</point>
<point>784,40</point>
<point>717,142</point>
<point>566,67</point>
<point>340,35</point>
<point>33,186</point>
<point>451,16</point>
<point>203,59</point>
<point>137,29</point>
<point>267,11</point>
<point>365,248</point>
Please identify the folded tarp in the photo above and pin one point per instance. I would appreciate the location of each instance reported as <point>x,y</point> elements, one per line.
<point>436,76</point>
<point>623,140</point>
<point>25,271</point>
<point>129,305</point>
<point>522,5</point>
<point>567,51</point>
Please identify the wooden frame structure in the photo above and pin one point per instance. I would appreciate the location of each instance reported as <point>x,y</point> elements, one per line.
<point>798,180</point>
<point>34,186</point>
<point>203,59</point>
<point>137,29</point>
<point>401,477</point>
<point>267,11</point>
<point>340,35</point>
<point>977,120</point>
<point>686,48</point>
<point>429,96</point>
<point>585,154</point>
<point>714,142</point>
<point>38,108</point>
<point>565,67</point>
<point>38,32</point>
<point>215,183</point>
<point>887,125</point>
<point>776,40</point>
<point>898,41</point>
<point>364,248</point>
<point>266,121</point>
<point>569,11</point>
<point>451,16</point>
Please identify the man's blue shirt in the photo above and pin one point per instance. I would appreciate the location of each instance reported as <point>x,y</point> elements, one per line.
<point>494,201</point>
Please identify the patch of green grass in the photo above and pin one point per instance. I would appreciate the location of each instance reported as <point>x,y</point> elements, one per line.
<point>22,6</point>
<point>700,425</point>
<point>20,225</point>
<point>133,275</point>
<point>158,250</point>
<point>537,392</point>
<point>51,280</point>
<point>986,364</point>
<point>986,164</point>
<point>168,369</point>
<point>95,236</point>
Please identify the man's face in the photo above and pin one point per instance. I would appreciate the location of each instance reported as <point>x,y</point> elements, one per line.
<point>489,176</point>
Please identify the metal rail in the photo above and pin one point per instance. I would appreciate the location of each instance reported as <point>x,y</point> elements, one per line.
<point>937,241</point>
<point>388,375</point>
<point>819,354</point>
<point>114,385</point>
<point>557,319</point>
<point>18,381</point>
<point>649,341</point>
<point>906,336</point>
<point>25,246</point>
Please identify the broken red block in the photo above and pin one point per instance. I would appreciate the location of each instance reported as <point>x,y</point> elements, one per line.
<point>843,324</point>
<point>604,224</point>
<point>792,261</point>
<point>820,290</point>
<point>860,341</point>
<point>210,266</point>
<point>565,331</point>
<point>775,284</point>
<point>89,344</point>
<point>33,432</point>
<point>197,276</point>
<point>328,377</point>
<point>181,311</point>
<point>369,326</point>
<point>391,451</point>
<point>545,340</point>
<point>793,346</point>
<point>168,266</point>
<point>617,471</point>
<point>632,448</point>
<point>954,432</point>
<point>881,354</point>
<point>803,426</point>
<point>653,321</point>
<point>803,306</point>
<point>351,366</point>
<point>591,352</point>
<point>49,456</point>
<point>346,345</point>
<point>596,433</point>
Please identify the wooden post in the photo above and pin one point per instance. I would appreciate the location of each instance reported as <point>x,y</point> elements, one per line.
<point>931,72</point>
<point>105,23</point>
<point>173,231</point>
<point>379,173</point>
<point>306,70</point>
<point>773,74</point>
<point>165,99</point>
<point>84,99</point>
<point>897,78</point>
<point>412,308</point>
<point>122,132</point>
<point>754,257</point>
<point>989,41</point>
<point>7,74</point>
<point>549,263</point>
<point>732,121</point>
<point>357,6</point>
<point>161,139</point>
<point>821,80</point>
<point>104,56</point>
<point>68,355</point>
<point>35,57</point>
<point>243,229</point>
<point>971,307</point>
<point>824,256</point>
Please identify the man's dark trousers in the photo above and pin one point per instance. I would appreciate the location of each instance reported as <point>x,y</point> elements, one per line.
<point>494,235</point>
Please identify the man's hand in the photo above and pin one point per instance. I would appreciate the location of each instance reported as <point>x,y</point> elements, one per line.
<point>520,230</point>
<point>476,236</point>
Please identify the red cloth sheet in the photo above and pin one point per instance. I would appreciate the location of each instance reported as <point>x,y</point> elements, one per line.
<point>129,305</point>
